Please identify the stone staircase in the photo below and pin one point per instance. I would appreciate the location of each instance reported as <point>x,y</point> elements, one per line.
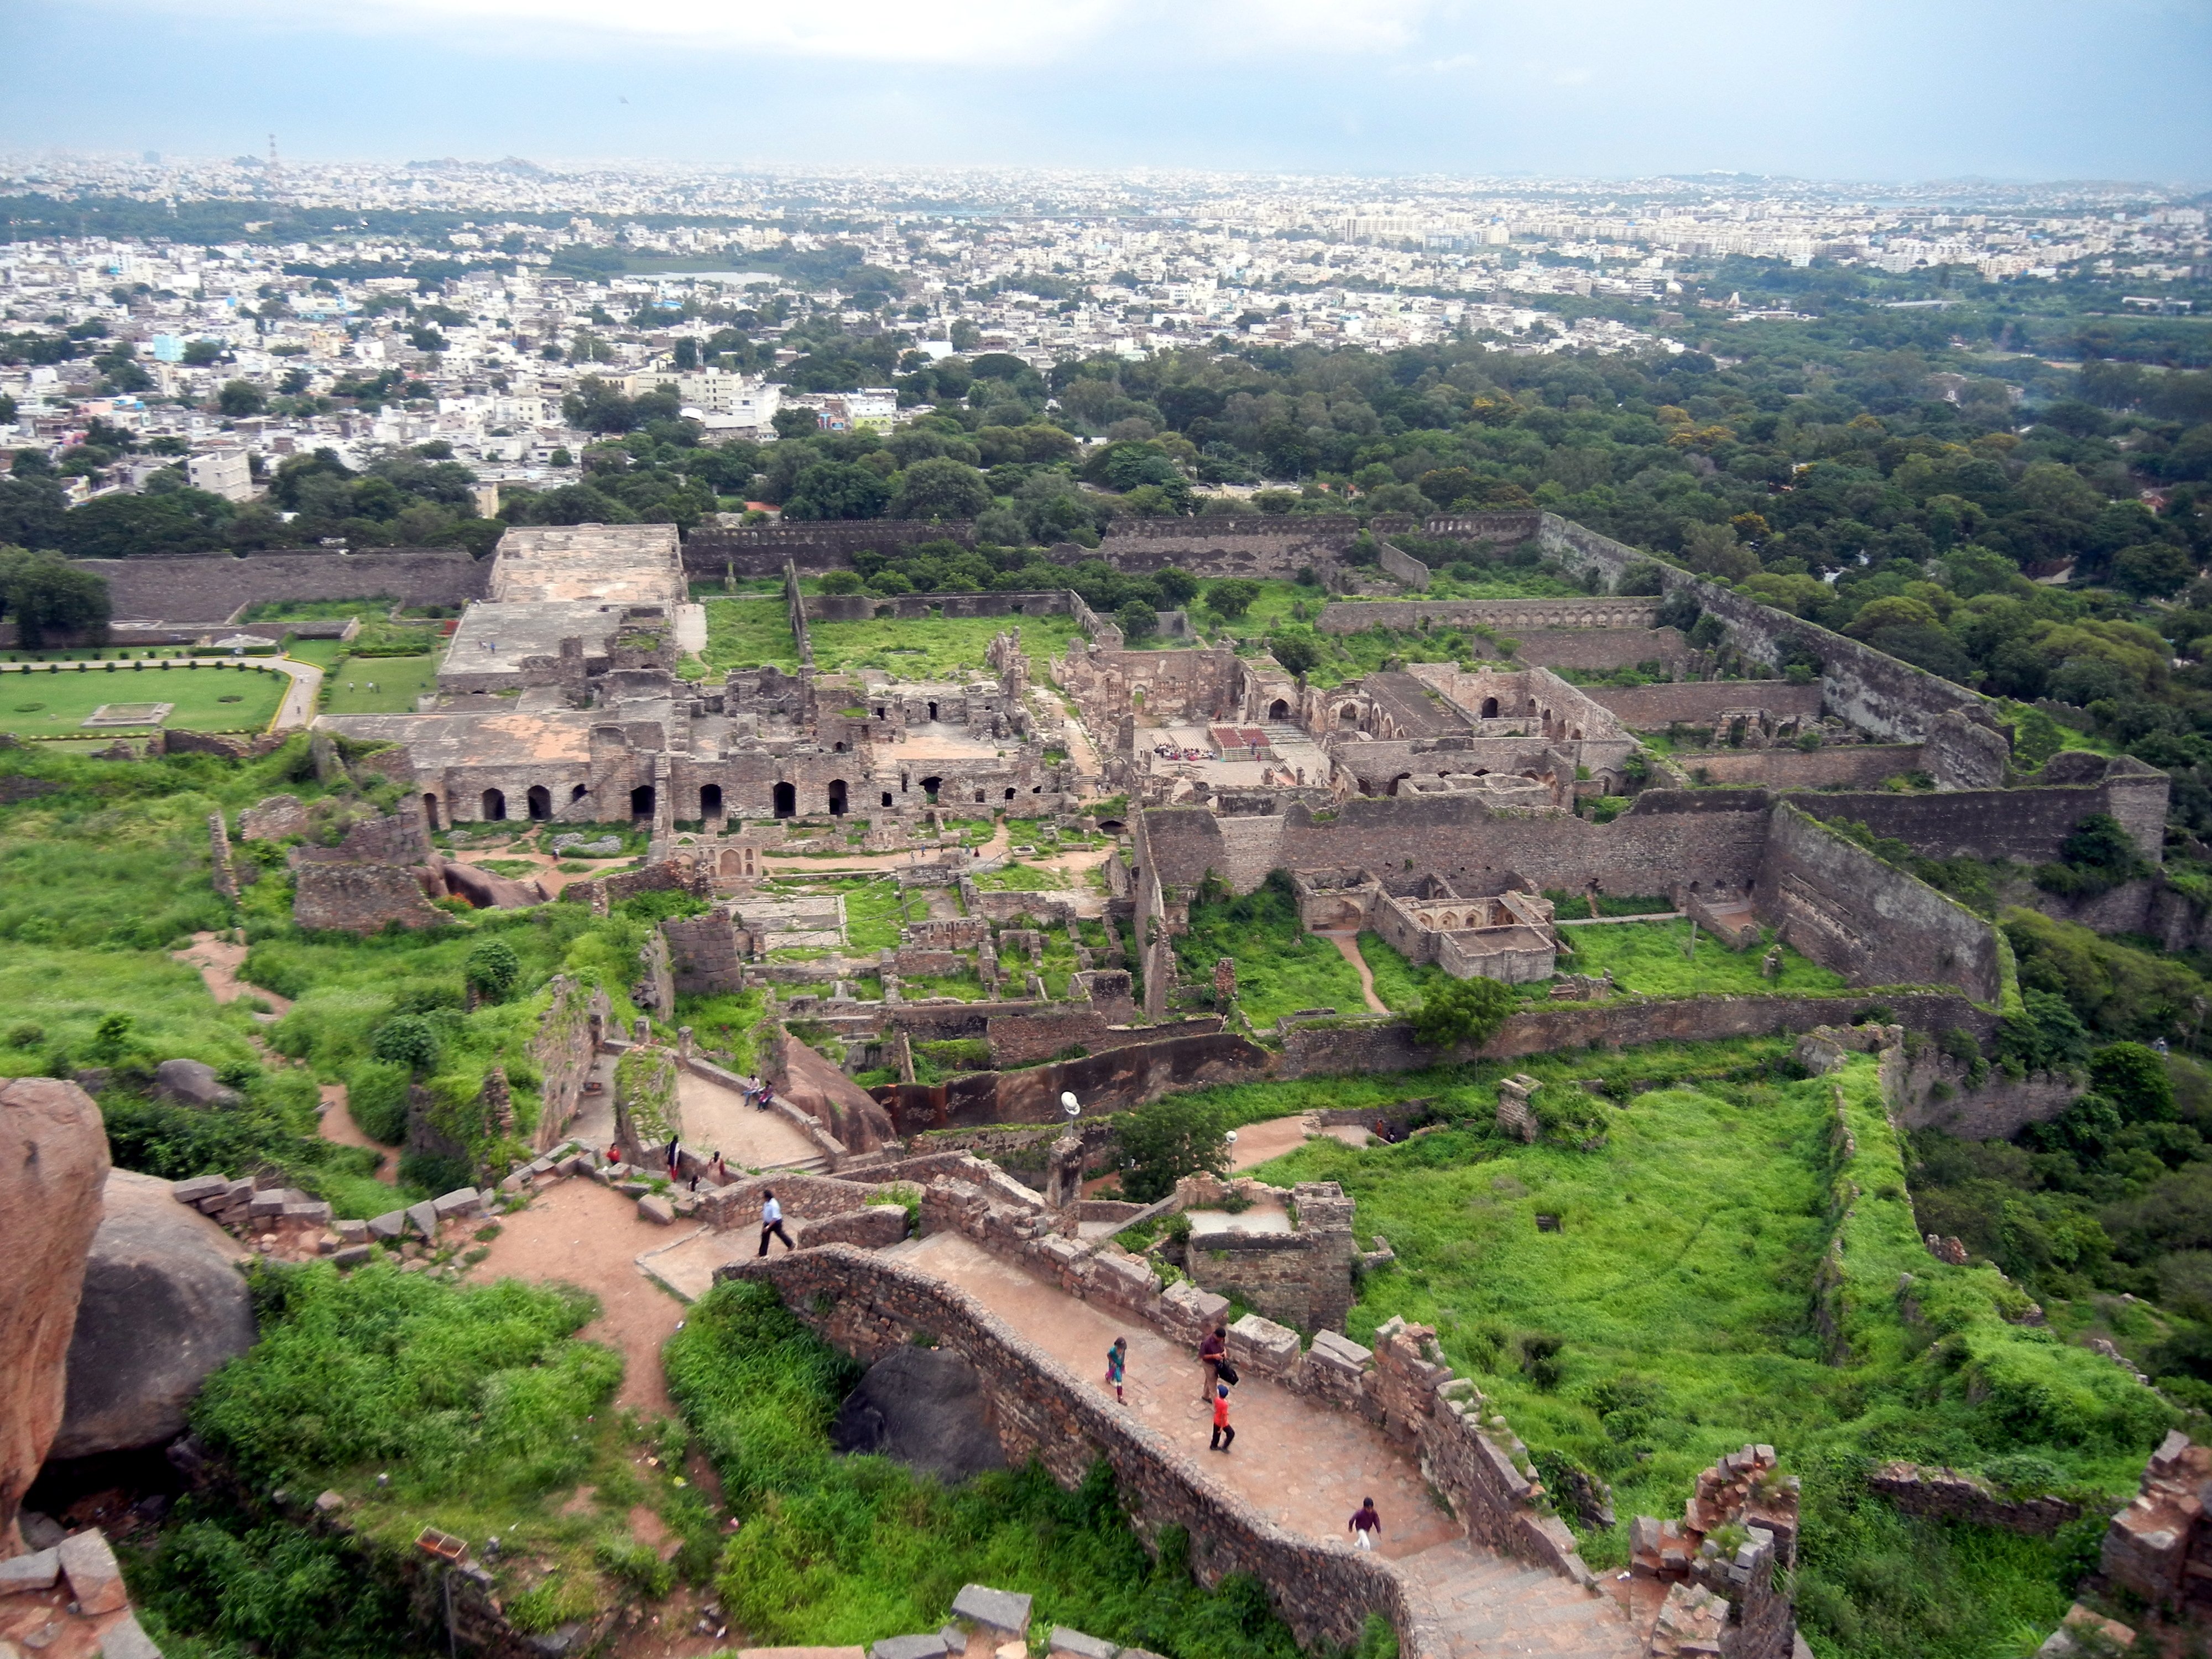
<point>1490,1607</point>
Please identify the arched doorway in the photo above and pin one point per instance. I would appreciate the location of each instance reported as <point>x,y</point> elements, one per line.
<point>933,711</point>
<point>578,794</point>
<point>495,806</point>
<point>1395,782</point>
<point>640,801</point>
<point>786,800</point>
<point>1010,794</point>
<point>541,803</point>
<point>1279,710</point>
<point>430,811</point>
<point>710,801</point>
<point>929,785</point>
<point>837,798</point>
<point>1347,715</point>
<point>1490,708</point>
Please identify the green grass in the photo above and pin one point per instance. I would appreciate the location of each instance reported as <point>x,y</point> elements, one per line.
<point>1681,1285</point>
<point>40,702</point>
<point>1647,957</point>
<point>837,1550</point>
<point>1021,879</point>
<point>937,648</point>
<point>967,987</point>
<point>1401,984</point>
<point>398,681</point>
<point>750,634</point>
<point>1279,969</point>
<point>317,610</point>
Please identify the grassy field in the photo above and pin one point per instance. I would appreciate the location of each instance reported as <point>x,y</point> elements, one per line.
<point>1647,957</point>
<point>1280,969</point>
<point>750,634</point>
<point>936,648</point>
<point>319,610</point>
<point>398,681</point>
<point>36,702</point>
<point>1676,1301</point>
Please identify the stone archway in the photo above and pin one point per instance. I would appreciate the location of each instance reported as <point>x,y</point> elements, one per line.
<point>540,801</point>
<point>1279,710</point>
<point>640,801</point>
<point>495,806</point>
<point>785,801</point>
<point>837,798</point>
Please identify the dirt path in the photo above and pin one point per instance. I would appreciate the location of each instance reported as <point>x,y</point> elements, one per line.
<point>1347,945</point>
<point>219,961</point>
<point>583,1234</point>
<point>544,868</point>
<point>337,1125</point>
<point>850,864</point>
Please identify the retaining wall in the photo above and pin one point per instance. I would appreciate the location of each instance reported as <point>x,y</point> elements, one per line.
<point>210,589</point>
<point>1701,702</point>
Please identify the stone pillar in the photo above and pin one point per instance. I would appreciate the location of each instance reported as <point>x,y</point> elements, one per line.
<point>1063,1180</point>
<point>683,1041</point>
<point>1224,982</point>
<point>225,877</point>
<point>1513,1115</point>
<point>644,1030</point>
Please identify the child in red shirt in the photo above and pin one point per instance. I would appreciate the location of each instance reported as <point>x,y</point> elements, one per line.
<point>1222,1434</point>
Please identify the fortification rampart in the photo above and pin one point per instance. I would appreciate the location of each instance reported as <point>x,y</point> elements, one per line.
<point>1702,703</point>
<point>1500,615</point>
<point>211,589</point>
<point>2028,825</point>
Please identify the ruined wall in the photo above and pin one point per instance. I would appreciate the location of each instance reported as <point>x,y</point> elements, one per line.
<point>1514,616</point>
<point>1935,1092</point>
<point>2026,824</point>
<point>1384,1046</point>
<point>869,1307</point>
<point>1023,1039</point>
<point>1701,702</point>
<point>1874,691</point>
<point>360,898</point>
<point>562,1050</point>
<point>1262,545</point>
<point>1401,566</point>
<point>1948,1495</point>
<point>1112,1080</point>
<point>704,959</point>
<point>1871,922</point>
<point>916,607</point>
<point>1851,765</point>
<point>211,589</point>
<point>1665,837</point>
<point>1597,649</point>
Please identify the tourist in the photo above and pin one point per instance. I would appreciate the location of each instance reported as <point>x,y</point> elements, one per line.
<point>614,1153</point>
<point>1211,1352</point>
<point>1366,1525</point>
<point>1222,1434</point>
<point>772,1222</point>
<point>675,1159</point>
<point>1117,1360</point>
<point>721,1171</point>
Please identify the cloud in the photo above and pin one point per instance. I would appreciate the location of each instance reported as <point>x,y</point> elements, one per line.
<point>921,32</point>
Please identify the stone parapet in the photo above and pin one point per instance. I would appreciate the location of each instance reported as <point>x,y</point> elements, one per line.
<point>1948,1495</point>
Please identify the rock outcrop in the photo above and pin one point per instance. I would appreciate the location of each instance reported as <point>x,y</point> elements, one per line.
<point>163,1306</point>
<point>924,1407</point>
<point>193,1083</point>
<point>53,1160</point>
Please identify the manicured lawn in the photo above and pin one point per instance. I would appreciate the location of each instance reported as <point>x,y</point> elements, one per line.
<point>398,681</point>
<point>42,702</point>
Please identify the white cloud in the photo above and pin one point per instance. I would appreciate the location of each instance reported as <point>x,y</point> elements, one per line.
<point>924,33</point>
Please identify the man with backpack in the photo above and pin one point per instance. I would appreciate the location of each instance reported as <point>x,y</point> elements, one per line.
<point>1212,1355</point>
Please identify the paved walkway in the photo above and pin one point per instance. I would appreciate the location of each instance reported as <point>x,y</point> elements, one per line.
<point>1302,1464</point>
<point>717,1120</point>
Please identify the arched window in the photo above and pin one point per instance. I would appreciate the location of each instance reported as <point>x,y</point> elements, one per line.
<point>541,803</point>
<point>837,798</point>
<point>786,800</point>
<point>838,747</point>
<point>929,787</point>
<point>578,793</point>
<point>1490,708</point>
<point>1010,794</point>
<point>495,806</point>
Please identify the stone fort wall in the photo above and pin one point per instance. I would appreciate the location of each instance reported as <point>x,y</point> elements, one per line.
<point>1503,616</point>
<point>2025,825</point>
<point>212,589</point>
<point>1701,702</point>
<point>869,1307</point>
<point>1849,766</point>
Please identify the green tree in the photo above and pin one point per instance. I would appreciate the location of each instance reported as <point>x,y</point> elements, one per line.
<point>1232,596</point>
<point>940,487</point>
<point>1295,645</point>
<point>203,354</point>
<point>1462,1011</point>
<point>1174,1136</point>
<point>240,398</point>
<point>2134,1078</point>
<point>45,595</point>
<point>494,969</point>
<point>408,1040</point>
<point>838,489</point>
<point>1137,621</point>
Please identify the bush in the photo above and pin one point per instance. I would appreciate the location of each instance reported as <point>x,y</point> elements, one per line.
<point>1458,1012</point>
<point>1174,1136</point>
<point>409,1040</point>
<point>376,1096</point>
<point>494,969</point>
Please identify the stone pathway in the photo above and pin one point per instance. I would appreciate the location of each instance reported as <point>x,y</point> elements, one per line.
<point>1347,945</point>
<point>1304,1466</point>
<point>717,1120</point>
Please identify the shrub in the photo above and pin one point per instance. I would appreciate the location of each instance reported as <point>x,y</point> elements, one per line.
<point>1458,1011</point>
<point>494,969</point>
<point>376,1096</point>
<point>410,1040</point>
<point>1174,1136</point>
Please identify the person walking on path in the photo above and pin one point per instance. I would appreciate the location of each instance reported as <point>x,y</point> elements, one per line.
<point>1117,1360</point>
<point>675,1159</point>
<point>721,1171</point>
<point>1223,1435</point>
<point>1211,1352</point>
<point>772,1223</point>
<point>1366,1526</point>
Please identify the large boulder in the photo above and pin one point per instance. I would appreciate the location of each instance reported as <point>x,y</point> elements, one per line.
<point>193,1083</point>
<point>53,1160</point>
<point>163,1306</point>
<point>924,1407</point>
<point>487,891</point>
<point>273,819</point>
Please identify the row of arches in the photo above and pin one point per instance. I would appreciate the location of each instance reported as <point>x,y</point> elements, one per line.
<point>538,806</point>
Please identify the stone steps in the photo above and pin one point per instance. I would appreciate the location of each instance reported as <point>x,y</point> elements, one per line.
<point>1490,1607</point>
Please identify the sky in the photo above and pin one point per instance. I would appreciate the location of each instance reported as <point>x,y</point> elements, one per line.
<point>1848,89</point>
